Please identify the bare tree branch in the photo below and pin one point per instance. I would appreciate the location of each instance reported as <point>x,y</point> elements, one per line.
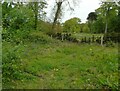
<point>70,6</point>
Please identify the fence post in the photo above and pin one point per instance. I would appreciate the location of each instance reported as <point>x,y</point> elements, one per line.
<point>102,40</point>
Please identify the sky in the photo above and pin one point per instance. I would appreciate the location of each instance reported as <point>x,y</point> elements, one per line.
<point>81,10</point>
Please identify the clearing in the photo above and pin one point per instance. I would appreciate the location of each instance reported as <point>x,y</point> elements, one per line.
<point>50,63</point>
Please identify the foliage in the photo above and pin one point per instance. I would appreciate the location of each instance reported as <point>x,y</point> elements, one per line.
<point>115,20</point>
<point>91,18</point>
<point>98,26</point>
<point>17,22</point>
<point>5,12</point>
<point>44,26</point>
<point>38,37</point>
<point>113,36</point>
<point>107,18</point>
<point>23,20</point>
<point>11,66</point>
<point>39,13</point>
<point>84,28</point>
<point>72,25</point>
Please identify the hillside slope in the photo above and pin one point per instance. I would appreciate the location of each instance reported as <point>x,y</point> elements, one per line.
<point>41,62</point>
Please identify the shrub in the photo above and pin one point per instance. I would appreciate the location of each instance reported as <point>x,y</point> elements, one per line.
<point>16,36</point>
<point>11,66</point>
<point>112,37</point>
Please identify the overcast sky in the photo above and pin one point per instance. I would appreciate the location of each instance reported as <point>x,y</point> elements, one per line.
<point>83,8</point>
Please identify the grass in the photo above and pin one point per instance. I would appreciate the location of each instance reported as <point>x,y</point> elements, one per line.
<point>87,35</point>
<point>65,65</point>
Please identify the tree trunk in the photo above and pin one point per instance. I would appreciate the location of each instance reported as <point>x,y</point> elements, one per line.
<point>102,40</point>
<point>106,26</point>
<point>59,4</point>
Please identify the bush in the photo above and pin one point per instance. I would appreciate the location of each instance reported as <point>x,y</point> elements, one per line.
<point>16,36</point>
<point>114,37</point>
<point>11,69</point>
<point>38,37</point>
<point>110,44</point>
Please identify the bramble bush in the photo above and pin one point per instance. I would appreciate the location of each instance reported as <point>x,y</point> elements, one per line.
<point>11,66</point>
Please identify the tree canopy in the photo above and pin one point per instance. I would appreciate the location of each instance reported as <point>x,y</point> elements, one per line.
<point>72,25</point>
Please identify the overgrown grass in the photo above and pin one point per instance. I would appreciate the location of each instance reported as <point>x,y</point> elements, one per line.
<point>80,36</point>
<point>53,64</point>
<point>86,35</point>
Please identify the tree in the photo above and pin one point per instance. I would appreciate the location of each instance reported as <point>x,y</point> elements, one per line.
<point>6,8</point>
<point>59,11</point>
<point>107,16</point>
<point>114,25</point>
<point>84,28</point>
<point>98,26</point>
<point>81,27</point>
<point>107,20</point>
<point>37,8</point>
<point>106,9</point>
<point>17,22</point>
<point>59,4</point>
<point>91,18</point>
<point>72,25</point>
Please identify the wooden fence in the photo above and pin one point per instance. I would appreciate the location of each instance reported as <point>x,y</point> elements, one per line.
<point>85,39</point>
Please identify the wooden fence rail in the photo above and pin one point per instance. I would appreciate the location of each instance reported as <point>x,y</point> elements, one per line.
<point>85,39</point>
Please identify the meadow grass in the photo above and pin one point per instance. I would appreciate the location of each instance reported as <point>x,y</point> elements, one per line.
<point>86,35</point>
<point>80,36</point>
<point>65,65</point>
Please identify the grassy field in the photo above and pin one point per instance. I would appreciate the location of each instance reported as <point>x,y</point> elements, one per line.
<point>79,35</point>
<point>54,64</point>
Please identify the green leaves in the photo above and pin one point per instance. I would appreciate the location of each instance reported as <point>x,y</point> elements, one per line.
<point>107,17</point>
<point>11,66</point>
<point>72,25</point>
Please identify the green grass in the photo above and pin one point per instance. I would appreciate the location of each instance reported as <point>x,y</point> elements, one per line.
<point>87,35</point>
<point>65,65</point>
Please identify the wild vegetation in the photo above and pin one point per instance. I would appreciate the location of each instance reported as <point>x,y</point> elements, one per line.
<point>40,54</point>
